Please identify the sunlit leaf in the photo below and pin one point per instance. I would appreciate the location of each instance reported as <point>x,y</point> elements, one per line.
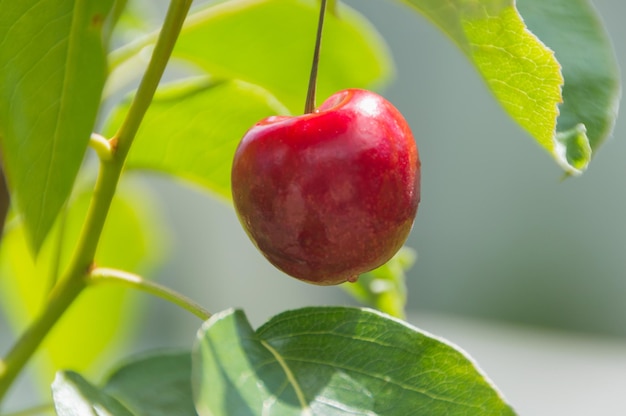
<point>52,71</point>
<point>192,129</point>
<point>270,43</point>
<point>334,361</point>
<point>591,92</point>
<point>522,73</point>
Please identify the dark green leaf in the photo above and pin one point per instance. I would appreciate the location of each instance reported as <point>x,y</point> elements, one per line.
<point>52,71</point>
<point>591,92</point>
<point>334,361</point>
<point>193,127</point>
<point>75,396</point>
<point>155,385</point>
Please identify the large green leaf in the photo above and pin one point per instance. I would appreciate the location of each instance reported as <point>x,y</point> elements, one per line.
<point>52,71</point>
<point>270,43</point>
<point>334,361</point>
<point>591,92</point>
<point>101,318</point>
<point>193,127</point>
<point>519,69</point>
<point>75,396</point>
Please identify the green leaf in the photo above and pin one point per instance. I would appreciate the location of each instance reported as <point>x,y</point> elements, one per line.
<point>102,318</point>
<point>117,11</point>
<point>519,69</point>
<point>384,288</point>
<point>155,385</point>
<point>52,71</point>
<point>276,48</point>
<point>193,127</point>
<point>270,43</point>
<point>575,145</point>
<point>5,202</point>
<point>591,92</point>
<point>151,385</point>
<point>75,396</point>
<point>334,361</point>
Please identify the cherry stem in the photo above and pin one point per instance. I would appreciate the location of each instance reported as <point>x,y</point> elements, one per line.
<point>310,97</point>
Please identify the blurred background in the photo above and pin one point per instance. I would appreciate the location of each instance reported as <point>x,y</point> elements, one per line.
<point>524,271</point>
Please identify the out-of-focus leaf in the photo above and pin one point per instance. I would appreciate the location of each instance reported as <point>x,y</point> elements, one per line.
<point>519,69</point>
<point>384,288</point>
<point>334,361</point>
<point>270,43</point>
<point>75,396</point>
<point>591,92</point>
<point>52,71</point>
<point>154,385</point>
<point>192,129</point>
<point>5,201</point>
<point>100,320</point>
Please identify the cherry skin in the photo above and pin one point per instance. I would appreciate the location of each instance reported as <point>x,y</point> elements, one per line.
<point>332,194</point>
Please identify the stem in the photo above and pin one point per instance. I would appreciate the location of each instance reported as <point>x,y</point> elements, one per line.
<point>102,147</point>
<point>310,96</point>
<point>105,275</point>
<point>68,288</point>
<point>5,200</point>
<point>58,249</point>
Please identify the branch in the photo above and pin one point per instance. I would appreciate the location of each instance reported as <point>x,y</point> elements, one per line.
<point>73,283</point>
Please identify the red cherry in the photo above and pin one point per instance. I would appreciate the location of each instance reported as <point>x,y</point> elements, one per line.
<point>332,194</point>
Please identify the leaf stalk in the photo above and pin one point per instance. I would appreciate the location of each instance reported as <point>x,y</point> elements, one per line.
<point>102,275</point>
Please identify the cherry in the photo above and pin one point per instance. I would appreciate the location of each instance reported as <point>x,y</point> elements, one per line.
<point>329,195</point>
<point>333,193</point>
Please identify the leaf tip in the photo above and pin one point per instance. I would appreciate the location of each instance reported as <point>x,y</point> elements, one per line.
<point>573,150</point>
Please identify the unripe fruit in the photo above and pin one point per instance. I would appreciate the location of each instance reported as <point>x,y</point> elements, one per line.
<point>332,194</point>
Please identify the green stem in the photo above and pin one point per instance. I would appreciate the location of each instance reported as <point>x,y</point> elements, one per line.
<point>68,288</point>
<point>55,267</point>
<point>102,146</point>
<point>105,275</point>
